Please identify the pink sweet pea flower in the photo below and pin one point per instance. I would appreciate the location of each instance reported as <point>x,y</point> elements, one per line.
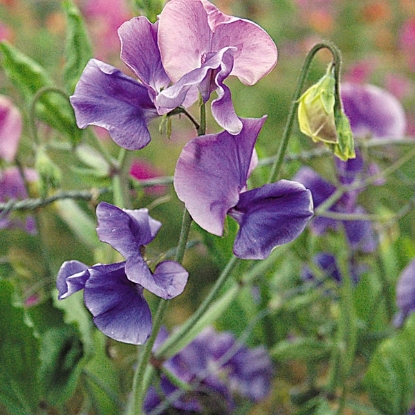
<point>10,129</point>
<point>201,46</point>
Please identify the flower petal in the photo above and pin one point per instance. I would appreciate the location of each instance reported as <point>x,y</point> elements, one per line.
<point>106,97</point>
<point>72,277</point>
<point>168,280</point>
<point>256,53</point>
<point>125,230</point>
<point>373,111</point>
<point>10,129</point>
<point>211,172</point>
<point>139,50</point>
<point>118,306</point>
<point>269,216</point>
<point>183,37</point>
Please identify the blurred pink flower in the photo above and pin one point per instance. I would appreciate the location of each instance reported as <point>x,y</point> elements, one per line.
<point>141,170</point>
<point>104,18</point>
<point>10,129</point>
<point>360,71</point>
<point>407,41</point>
<point>399,85</point>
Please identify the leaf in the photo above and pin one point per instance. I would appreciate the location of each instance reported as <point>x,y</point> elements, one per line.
<point>78,49</point>
<point>308,349</point>
<point>30,79</point>
<point>390,379</point>
<point>60,355</point>
<point>19,356</point>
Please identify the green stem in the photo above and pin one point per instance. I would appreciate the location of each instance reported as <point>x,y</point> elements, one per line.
<point>191,322</point>
<point>120,181</point>
<point>279,159</point>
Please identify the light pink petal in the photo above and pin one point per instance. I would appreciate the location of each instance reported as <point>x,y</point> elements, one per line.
<point>10,129</point>
<point>183,36</point>
<point>256,53</point>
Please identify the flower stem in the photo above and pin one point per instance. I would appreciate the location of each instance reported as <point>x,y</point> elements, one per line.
<point>279,159</point>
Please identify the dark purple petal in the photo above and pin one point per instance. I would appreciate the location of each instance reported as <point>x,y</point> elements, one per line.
<point>327,264</point>
<point>167,281</point>
<point>139,50</point>
<point>72,277</point>
<point>211,172</point>
<point>118,306</point>
<point>106,97</point>
<point>373,111</point>
<point>125,230</point>
<point>405,293</point>
<point>269,216</point>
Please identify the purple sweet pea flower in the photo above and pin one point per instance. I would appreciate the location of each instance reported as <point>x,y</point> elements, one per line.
<point>372,111</point>
<point>117,305</point>
<point>10,129</point>
<point>106,97</point>
<point>216,367</point>
<point>114,293</point>
<point>210,178</point>
<point>128,231</point>
<point>12,187</point>
<point>405,294</point>
<point>359,232</point>
<point>200,47</point>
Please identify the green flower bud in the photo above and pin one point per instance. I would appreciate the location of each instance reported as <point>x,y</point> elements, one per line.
<point>321,119</point>
<point>316,110</point>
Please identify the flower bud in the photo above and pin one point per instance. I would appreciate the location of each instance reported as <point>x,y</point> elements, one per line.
<point>322,120</point>
<point>316,110</point>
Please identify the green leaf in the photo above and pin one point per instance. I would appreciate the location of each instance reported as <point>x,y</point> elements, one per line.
<point>19,356</point>
<point>390,379</point>
<point>30,79</point>
<point>78,48</point>
<point>102,381</point>
<point>61,353</point>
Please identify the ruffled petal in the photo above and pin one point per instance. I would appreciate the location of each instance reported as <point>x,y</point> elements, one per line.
<point>118,306</point>
<point>72,277</point>
<point>125,230</point>
<point>167,281</point>
<point>269,216</point>
<point>211,172</point>
<point>139,50</point>
<point>106,97</point>
<point>183,37</point>
<point>256,53</point>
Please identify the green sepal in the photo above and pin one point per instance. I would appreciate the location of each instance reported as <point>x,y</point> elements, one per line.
<point>78,49</point>
<point>50,174</point>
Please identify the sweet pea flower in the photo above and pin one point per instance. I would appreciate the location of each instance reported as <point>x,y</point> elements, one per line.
<point>216,367</point>
<point>405,294</point>
<point>10,129</point>
<point>372,111</point>
<point>106,97</point>
<point>210,178</point>
<point>358,232</point>
<point>200,47</point>
<point>113,293</point>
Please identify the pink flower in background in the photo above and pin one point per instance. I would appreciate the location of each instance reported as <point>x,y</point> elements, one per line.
<point>141,170</point>
<point>105,17</point>
<point>10,129</point>
<point>407,41</point>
